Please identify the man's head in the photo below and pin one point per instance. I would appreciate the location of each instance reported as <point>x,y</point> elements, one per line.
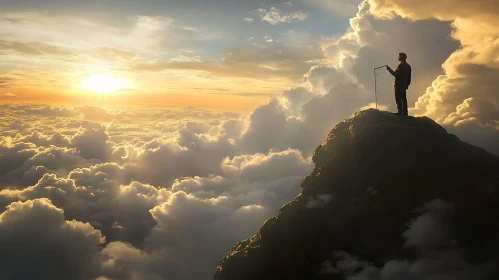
<point>402,57</point>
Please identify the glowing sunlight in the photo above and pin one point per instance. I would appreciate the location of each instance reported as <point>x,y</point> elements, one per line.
<point>104,83</point>
<point>249,139</point>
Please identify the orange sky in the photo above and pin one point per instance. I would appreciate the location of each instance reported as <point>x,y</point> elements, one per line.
<point>232,103</point>
<point>162,58</point>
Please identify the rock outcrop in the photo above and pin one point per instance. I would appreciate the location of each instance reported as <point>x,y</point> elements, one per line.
<point>390,197</point>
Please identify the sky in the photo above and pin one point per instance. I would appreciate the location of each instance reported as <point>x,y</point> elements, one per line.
<point>168,53</point>
<point>143,139</point>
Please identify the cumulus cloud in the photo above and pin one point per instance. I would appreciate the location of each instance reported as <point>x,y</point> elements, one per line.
<point>39,139</point>
<point>205,216</point>
<point>35,233</point>
<point>123,261</point>
<point>184,223</point>
<point>160,162</point>
<point>300,118</point>
<point>468,71</point>
<point>175,189</point>
<point>445,10</point>
<point>14,155</point>
<point>92,141</point>
<point>255,167</point>
<point>60,160</point>
<point>191,190</point>
<point>96,195</point>
<point>451,48</point>
<point>293,100</point>
<point>322,78</point>
<point>372,42</point>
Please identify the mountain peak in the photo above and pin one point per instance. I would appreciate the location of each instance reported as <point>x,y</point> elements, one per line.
<point>375,176</point>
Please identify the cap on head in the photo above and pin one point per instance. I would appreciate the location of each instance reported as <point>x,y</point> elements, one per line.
<point>403,56</point>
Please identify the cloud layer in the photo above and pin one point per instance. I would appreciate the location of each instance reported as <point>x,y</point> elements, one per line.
<point>190,192</point>
<point>163,194</point>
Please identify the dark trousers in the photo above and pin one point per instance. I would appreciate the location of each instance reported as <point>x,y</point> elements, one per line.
<point>401,99</point>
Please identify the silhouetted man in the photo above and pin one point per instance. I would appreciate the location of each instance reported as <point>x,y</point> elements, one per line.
<point>401,84</point>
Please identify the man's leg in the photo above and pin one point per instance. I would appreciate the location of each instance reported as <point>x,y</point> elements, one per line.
<point>398,99</point>
<point>403,98</point>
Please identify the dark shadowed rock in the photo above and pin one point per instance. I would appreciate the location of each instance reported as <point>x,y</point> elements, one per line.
<point>390,197</point>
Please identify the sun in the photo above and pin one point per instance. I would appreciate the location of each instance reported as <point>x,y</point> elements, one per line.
<point>103,83</point>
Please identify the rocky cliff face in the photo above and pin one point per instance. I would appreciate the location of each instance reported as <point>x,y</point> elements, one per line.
<point>391,197</point>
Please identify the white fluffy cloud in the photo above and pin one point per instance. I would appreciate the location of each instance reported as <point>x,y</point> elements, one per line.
<point>173,190</point>
<point>35,233</point>
<point>373,42</point>
<point>275,15</point>
<point>469,71</point>
<point>452,48</point>
<point>191,193</point>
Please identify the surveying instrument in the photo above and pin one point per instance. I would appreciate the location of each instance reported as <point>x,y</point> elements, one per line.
<point>376,83</point>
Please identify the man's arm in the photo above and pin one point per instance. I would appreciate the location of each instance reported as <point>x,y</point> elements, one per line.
<point>409,77</point>
<point>394,73</point>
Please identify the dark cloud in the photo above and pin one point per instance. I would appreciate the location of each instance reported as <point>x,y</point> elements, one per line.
<point>13,156</point>
<point>123,261</point>
<point>35,234</point>
<point>92,141</point>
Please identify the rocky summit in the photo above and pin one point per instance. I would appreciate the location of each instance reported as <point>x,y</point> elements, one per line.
<point>390,197</point>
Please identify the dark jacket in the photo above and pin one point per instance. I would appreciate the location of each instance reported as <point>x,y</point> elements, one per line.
<point>402,76</point>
